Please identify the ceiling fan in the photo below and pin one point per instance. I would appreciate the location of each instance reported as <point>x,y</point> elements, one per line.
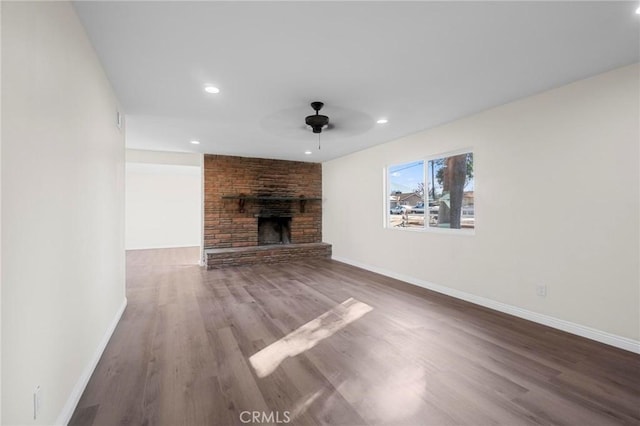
<point>317,121</point>
<point>344,122</point>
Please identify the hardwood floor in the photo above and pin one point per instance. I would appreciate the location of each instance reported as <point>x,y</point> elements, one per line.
<point>183,352</point>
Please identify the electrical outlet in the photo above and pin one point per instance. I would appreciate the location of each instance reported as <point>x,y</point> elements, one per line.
<point>37,402</point>
<point>541,290</point>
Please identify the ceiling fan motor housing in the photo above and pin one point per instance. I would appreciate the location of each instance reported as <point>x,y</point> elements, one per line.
<point>318,121</point>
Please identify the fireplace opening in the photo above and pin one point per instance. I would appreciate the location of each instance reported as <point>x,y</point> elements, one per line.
<point>274,230</point>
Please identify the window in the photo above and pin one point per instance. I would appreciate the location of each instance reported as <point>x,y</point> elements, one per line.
<point>445,201</point>
<point>406,195</point>
<point>451,192</point>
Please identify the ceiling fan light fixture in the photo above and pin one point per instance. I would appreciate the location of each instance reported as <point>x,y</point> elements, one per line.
<point>317,122</point>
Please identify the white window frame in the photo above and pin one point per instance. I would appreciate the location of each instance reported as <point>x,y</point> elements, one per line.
<point>427,182</point>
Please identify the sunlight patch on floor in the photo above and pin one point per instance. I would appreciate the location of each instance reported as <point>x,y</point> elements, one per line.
<point>307,336</point>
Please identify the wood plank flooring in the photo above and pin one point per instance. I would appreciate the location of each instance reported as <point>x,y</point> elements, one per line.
<point>180,355</point>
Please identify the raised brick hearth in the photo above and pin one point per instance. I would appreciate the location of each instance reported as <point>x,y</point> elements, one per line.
<point>239,193</point>
<point>240,256</point>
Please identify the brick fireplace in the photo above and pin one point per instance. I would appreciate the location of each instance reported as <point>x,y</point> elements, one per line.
<point>261,211</point>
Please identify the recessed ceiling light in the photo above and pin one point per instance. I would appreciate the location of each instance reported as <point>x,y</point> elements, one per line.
<point>638,10</point>
<point>308,152</point>
<point>211,89</point>
<point>382,121</point>
<point>195,142</point>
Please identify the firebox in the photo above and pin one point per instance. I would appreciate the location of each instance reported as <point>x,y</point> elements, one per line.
<point>274,230</point>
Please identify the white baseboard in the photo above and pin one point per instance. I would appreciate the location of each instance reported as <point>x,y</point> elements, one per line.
<point>570,327</point>
<point>161,247</point>
<point>81,384</point>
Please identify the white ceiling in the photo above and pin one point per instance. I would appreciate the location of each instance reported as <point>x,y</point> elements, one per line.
<point>419,64</point>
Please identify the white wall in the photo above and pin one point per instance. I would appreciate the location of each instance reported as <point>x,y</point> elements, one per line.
<point>163,157</point>
<point>62,210</point>
<point>556,197</point>
<point>0,221</point>
<point>163,200</point>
